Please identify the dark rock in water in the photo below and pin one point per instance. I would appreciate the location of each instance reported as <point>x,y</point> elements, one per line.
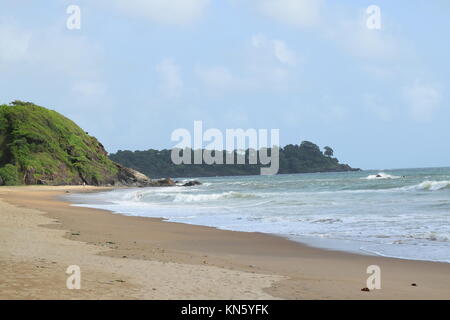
<point>379,176</point>
<point>164,182</point>
<point>132,178</point>
<point>192,183</point>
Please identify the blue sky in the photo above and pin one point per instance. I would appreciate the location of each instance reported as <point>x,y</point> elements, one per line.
<point>139,69</point>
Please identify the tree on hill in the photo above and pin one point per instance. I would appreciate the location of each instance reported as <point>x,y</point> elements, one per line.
<point>21,103</point>
<point>328,151</point>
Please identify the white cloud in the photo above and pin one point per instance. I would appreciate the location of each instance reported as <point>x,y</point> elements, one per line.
<point>353,36</point>
<point>348,30</point>
<point>300,13</point>
<point>178,12</point>
<point>47,51</point>
<point>283,53</point>
<point>171,83</point>
<point>275,48</point>
<point>271,63</point>
<point>422,99</point>
<point>269,67</point>
<point>52,64</point>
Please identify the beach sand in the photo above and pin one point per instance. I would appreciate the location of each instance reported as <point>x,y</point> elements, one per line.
<point>124,257</point>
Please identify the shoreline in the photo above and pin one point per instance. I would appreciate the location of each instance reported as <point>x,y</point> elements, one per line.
<point>245,265</point>
<point>328,244</point>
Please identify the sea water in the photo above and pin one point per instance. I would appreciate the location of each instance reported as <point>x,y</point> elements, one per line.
<point>402,213</point>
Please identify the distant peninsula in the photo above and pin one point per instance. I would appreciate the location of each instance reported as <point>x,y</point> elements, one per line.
<point>304,158</point>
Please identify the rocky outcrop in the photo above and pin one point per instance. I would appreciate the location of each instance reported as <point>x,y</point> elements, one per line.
<point>131,178</point>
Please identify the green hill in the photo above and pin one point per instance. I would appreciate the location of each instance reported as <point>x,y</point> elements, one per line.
<point>40,146</point>
<point>304,158</point>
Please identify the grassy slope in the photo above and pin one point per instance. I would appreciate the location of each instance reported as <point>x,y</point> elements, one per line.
<point>38,145</point>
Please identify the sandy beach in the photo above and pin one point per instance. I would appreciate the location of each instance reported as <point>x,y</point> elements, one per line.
<point>124,257</point>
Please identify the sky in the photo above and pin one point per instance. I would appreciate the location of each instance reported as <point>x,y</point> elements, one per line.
<point>136,70</point>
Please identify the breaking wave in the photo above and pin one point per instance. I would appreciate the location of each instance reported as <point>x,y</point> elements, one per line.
<point>211,197</point>
<point>429,186</point>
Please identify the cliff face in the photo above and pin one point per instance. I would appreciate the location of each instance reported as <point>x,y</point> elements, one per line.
<point>40,146</point>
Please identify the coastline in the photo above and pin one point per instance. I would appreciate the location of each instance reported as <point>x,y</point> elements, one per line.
<point>125,257</point>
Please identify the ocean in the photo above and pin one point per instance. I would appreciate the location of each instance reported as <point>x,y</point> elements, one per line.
<point>402,213</point>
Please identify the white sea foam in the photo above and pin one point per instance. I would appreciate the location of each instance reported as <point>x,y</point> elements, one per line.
<point>430,186</point>
<point>381,175</point>
<point>212,196</point>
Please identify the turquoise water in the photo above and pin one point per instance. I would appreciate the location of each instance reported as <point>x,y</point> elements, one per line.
<point>401,213</point>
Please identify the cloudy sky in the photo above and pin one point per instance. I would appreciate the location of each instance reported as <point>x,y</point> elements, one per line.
<point>138,69</point>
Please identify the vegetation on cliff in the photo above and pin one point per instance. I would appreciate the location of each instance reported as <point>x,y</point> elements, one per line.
<point>40,146</point>
<point>304,158</point>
